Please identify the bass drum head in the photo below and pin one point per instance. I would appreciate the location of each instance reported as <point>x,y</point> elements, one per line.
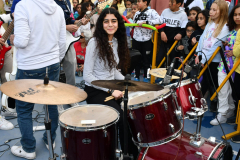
<point>88,117</point>
<point>142,97</point>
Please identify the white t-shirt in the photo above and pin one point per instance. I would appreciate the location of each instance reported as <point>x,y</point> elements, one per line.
<point>196,3</point>
<point>209,39</point>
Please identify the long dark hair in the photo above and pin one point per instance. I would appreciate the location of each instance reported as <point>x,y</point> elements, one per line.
<point>231,24</point>
<point>205,13</point>
<point>105,50</point>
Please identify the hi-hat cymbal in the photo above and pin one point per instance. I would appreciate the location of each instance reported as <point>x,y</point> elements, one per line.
<point>34,91</point>
<point>132,85</point>
<point>161,72</point>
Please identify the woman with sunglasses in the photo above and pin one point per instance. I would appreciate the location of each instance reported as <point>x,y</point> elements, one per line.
<point>107,52</point>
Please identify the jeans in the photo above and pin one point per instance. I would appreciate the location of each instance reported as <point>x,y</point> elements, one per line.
<point>24,109</point>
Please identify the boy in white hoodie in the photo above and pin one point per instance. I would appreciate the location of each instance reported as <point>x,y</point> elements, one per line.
<point>40,37</point>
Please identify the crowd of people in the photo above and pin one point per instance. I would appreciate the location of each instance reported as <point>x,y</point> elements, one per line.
<point>102,48</point>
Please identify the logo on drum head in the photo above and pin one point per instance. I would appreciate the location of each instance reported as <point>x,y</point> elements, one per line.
<point>149,116</point>
<point>86,141</point>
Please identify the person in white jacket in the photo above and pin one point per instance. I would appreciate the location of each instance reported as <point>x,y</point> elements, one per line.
<point>40,36</point>
<point>7,67</point>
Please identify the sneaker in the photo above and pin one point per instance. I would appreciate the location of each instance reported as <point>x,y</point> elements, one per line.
<point>231,120</point>
<point>4,124</point>
<point>236,139</point>
<point>73,104</point>
<point>54,145</point>
<point>7,113</point>
<point>148,74</point>
<point>60,109</point>
<point>136,79</point>
<point>221,118</point>
<point>19,152</point>
<point>146,80</point>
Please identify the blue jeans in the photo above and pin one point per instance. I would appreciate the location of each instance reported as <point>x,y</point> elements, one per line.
<point>24,109</point>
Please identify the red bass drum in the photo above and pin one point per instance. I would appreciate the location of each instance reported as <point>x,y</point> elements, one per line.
<point>181,149</point>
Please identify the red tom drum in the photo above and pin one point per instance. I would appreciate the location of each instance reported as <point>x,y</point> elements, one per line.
<point>89,132</point>
<point>181,149</point>
<point>189,95</point>
<point>152,118</point>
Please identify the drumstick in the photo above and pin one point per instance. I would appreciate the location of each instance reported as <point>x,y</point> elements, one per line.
<point>110,97</point>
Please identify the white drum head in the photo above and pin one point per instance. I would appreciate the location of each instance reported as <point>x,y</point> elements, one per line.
<point>141,97</point>
<point>88,116</point>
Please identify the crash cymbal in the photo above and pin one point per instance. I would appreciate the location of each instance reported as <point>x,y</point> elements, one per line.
<point>34,91</point>
<point>161,72</point>
<point>132,85</point>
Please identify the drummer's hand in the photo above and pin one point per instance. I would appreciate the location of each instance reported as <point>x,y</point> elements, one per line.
<point>117,94</point>
<point>196,60</point>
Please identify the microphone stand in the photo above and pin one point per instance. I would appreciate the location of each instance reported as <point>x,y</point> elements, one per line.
<point>126,156</point>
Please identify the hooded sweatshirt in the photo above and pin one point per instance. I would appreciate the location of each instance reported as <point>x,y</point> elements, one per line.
<point>175,23</point>
<point>40,34</point>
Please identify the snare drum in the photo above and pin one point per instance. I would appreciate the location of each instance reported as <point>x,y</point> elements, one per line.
<point>181,149</point>
<point>189,95</point>
<point>89,132</point>
<point>152,118</point>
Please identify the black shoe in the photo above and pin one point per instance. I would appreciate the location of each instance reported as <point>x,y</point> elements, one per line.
<point>236,139</point>
<point>231,120</point>
<point>235,127</point>
<point>213,106</point>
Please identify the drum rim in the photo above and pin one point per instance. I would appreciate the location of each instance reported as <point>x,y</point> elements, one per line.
<point>145,104</point>
<point>161,142</point>
<point>215,149</point>
<point>87,129</point>
<point>182,84</point>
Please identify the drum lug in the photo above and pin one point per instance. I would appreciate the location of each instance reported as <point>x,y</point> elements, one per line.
<point>132,116</point>
<point>139,137</point>
<point>198,86</point>
<point>65,133</point>
<point>118,153</point>
<point>192,99</point>
<point>172,127</point>
<point>105,132</point>
<point>165,106</point>
<point>199,154</point>
<point>178,114</point>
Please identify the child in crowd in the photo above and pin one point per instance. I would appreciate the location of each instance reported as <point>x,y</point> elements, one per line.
<point>128,14</point>
<point>193,13</point>
<point>85,7</point>
<point>182,46</point>
<point>114,6</point>
<point>78,12</point>
<point>226,103</point>
<point>176,20</point>
<point>93,20</point>
<point>75,3</point>
<point>142,36</point>
<point>201,21</point>
<point>208,43</point>
<point>134,9</point>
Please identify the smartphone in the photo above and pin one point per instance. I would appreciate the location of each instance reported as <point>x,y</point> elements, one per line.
<point>222,41</point>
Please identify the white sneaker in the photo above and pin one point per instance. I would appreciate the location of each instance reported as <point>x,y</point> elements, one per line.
<point>148,74</point>
<point>54,145</point>
<point>4,124</point>
<point>74,104</point>
<point>60,109</point>
<point>221,118</point>
<point>230,113</point>
<point>7,113</point>
<point>18,151</point>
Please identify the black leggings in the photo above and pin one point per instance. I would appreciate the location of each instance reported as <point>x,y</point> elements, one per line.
<point>96,96</point>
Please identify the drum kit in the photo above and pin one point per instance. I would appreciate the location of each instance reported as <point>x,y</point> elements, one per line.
<point>155,115</point>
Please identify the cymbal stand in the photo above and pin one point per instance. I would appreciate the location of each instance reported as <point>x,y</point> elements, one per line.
<point>126,156</point>
<point>47,123</point>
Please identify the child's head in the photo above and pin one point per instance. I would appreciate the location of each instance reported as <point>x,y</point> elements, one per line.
<point>219,15</point>
<point>134,8</point>
<point>234,18</point>
<point>75,2</point>
<point>190,28</point>
<point>175,4</point>
<point>202,19</point>
<point>114,6</point>
<point>142,4</point>
<point>86,7</point>
<point>78,8</point>
<point>193,13</point>
<point>128,3</point>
